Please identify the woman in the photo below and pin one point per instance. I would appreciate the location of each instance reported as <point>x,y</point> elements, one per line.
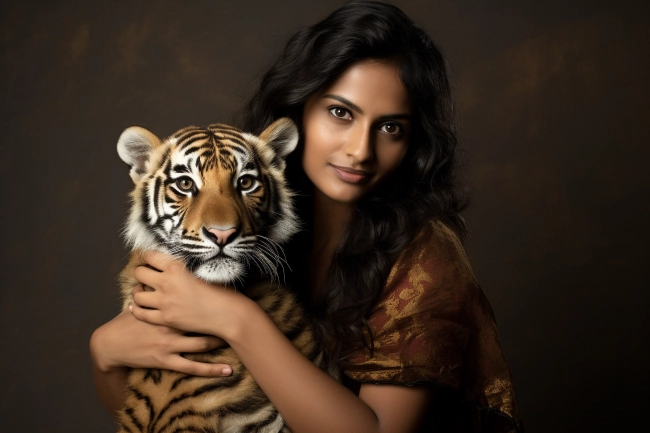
<point>386,280</point>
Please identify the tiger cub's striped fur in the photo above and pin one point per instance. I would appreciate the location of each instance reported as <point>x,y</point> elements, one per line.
<point>215,198</point>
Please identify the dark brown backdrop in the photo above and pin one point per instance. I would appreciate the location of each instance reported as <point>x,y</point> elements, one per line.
<point>553,103</point>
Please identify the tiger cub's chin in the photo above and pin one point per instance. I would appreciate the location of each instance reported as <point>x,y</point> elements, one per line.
<point>216,197</point>
<point>222,270</point>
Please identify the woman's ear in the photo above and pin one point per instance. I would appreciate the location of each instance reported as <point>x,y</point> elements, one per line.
<point>134,147</point>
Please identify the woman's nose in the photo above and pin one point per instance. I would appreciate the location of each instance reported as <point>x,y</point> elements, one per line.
<point>359,144</point>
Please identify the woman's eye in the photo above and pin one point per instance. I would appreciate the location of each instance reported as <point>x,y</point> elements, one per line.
<point>392,128</point>
<point>185,184</point>
<point>246,183</point>
<point>340,113</point>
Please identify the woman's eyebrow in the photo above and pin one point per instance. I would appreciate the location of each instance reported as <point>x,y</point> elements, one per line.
<point>345,101</point>
<point>402,116</point>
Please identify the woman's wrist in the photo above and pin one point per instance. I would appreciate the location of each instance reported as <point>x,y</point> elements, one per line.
<point>244,312</point>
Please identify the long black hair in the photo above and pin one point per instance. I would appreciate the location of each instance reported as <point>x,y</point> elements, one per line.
<point>422,188</point>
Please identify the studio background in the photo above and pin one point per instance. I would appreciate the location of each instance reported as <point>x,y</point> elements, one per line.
<point>553,110</point>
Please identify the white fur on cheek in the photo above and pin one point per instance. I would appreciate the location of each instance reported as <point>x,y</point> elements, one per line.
<point>137,233</point>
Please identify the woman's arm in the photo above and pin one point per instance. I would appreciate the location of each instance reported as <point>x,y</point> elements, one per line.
<point>308,398</point>
<point>127,342</point>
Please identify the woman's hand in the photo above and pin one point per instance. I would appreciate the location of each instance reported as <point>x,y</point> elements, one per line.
<point>181,300</point>
<point>127,342</point>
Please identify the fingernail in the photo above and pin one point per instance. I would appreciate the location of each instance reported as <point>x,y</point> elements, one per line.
<point>131,308</point>
<point>226,371</point>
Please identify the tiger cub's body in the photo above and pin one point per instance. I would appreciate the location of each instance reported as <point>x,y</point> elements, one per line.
<point>215,198</point>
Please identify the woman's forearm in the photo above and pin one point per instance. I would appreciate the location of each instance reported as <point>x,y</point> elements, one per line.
<point>109,382</point>
<point>308,399</point>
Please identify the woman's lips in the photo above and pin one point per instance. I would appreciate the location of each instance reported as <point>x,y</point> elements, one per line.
<point>350,175</point>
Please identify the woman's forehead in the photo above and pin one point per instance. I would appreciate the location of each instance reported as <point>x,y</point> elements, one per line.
<point>372,85</point>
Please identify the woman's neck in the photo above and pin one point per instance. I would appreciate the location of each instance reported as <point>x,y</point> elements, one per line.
<point>330,219</point>
<point>329,222</point>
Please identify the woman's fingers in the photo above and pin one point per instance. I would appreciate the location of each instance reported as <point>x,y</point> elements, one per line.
<point>148,276</point>
<point>158,260</point>
<point>146,314</point>
<point>144,298</point>
<point>180,364</point>
<point>199,343</point>
<point>133,339</point>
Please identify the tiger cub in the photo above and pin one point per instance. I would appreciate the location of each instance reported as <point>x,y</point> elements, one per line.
<point>216,198</point>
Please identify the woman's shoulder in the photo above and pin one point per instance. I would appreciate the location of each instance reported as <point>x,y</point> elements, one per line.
<point>433,324</point>
<point>434,270</point>
<point>435,246</point>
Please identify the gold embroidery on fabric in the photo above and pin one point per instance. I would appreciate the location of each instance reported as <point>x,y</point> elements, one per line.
<point>427,326</point>
<point>499,394</point>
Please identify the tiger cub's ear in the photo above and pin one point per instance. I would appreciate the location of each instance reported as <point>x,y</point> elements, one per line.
<point>282,136</point>
<point>134,147</point>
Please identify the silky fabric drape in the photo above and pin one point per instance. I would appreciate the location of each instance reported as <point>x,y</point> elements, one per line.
<point>433,325</point>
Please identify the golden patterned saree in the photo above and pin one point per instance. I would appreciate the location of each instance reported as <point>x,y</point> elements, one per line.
<point>433,325</point>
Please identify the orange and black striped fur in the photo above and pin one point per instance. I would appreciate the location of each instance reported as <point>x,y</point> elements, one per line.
<point>216,198</point>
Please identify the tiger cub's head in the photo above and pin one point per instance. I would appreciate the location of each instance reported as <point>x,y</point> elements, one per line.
<point>213,196</point>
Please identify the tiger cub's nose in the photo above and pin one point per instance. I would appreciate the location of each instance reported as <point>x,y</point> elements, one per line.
<point>220,236</point>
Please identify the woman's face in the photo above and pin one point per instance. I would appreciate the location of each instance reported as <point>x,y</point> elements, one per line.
<point>356,131</point>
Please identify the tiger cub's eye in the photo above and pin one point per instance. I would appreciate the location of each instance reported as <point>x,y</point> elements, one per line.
<point>246,182</point>
<point>185,184</point>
